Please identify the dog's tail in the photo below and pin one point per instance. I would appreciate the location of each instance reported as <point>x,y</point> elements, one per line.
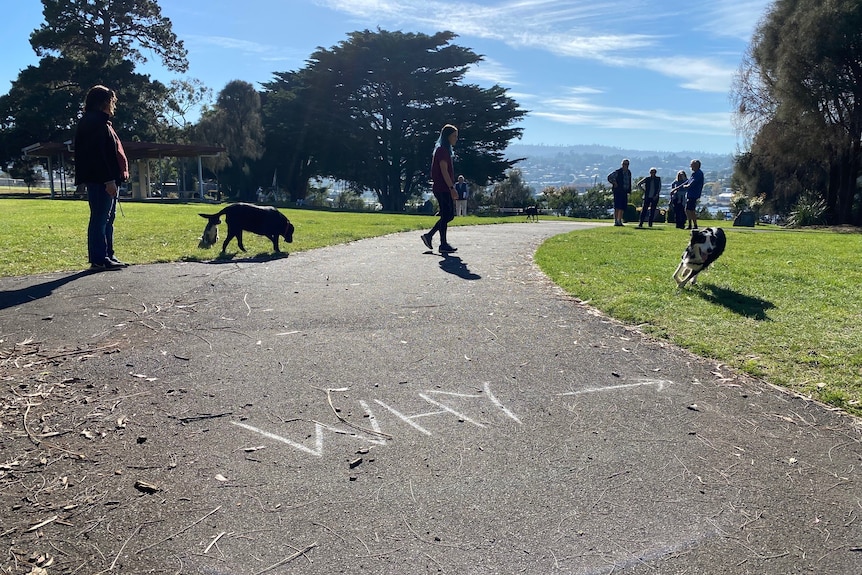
<point>214,218</point>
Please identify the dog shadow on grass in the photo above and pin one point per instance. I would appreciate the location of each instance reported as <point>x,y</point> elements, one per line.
<point>738,303</point>
<point>228,258</point>
<point>16,297</point>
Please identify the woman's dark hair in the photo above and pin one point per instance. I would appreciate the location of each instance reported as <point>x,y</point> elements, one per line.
<point>97,97</point>
<point>443,140</point>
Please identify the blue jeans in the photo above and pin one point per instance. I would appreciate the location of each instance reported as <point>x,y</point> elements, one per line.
<point>100,231</point>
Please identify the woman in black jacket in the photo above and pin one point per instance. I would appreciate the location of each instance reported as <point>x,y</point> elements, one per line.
<point>100,165</point>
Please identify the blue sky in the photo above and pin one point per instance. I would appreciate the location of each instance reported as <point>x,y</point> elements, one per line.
<point>649,75</point>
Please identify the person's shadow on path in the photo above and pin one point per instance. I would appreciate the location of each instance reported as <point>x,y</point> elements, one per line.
<point>21,296</point>
<point>456,266</point>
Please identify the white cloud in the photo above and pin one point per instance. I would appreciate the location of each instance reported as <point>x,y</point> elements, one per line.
<point>733,18</point>
<point>578,110</point>
<point>492,72</point>
<point>227,43</point>
<point>567,28</point>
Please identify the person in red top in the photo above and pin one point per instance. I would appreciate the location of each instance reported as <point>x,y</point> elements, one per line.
<point>101,166</point>
<point>443,187</point>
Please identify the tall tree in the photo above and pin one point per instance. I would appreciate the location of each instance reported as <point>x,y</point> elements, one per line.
<point>376,102</point>
<point>235,123</point>
<point>802,85</point>
<point>292,143</point>
<point>82,43</point>
<point>105,32</point>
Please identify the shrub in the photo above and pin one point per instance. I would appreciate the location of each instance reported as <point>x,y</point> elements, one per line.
<point>810,210</point>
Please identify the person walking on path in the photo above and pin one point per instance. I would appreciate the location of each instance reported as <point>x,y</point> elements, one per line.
<point>651,187</point>
<point>693,189</point>
<point>443,187</point>
<point>100,165</point>
<point>677,199</point>
<point>621,184</point>
<point>463,192</point>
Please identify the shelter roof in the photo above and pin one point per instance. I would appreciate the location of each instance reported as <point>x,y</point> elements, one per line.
<point>134,150</point>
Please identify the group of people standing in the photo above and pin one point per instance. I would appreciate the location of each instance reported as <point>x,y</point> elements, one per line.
<point>684,195</point>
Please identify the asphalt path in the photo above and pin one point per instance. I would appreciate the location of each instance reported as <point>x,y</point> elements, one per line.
<point>377,408</point>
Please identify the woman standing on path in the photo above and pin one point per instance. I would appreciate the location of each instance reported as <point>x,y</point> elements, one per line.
<point>443,187</point>
<point>100,165</point>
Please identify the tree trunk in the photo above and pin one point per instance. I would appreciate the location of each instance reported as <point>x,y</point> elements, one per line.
<point>848,172</point>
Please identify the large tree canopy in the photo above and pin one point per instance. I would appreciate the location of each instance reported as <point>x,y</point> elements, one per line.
<point>108,31</point>
<point>82,43</point>
<point>369,110</point>
<point>799,99</point>
<point>235,123</point>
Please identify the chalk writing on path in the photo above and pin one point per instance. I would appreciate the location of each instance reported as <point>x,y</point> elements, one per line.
<point>435,398</point>
<point>440,401</point>
<point>659,383</point>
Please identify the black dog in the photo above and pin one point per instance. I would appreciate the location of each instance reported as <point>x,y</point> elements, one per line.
<point>262,220</point>
<point>705,247</point>
<point>532,213</point>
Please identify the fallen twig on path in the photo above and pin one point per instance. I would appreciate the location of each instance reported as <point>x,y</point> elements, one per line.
<point>299,553</point>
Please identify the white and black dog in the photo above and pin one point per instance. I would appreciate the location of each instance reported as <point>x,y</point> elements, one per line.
<point>705,247</point>
<point>265,221</point>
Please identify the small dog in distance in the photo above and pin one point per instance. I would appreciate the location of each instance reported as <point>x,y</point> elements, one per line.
<point>532,213</point>
<point>705,247</point>
<point>265,221</point>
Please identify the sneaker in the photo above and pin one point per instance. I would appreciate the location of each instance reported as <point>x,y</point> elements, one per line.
<point>105,265</point>
<point>426,239</point>
<point>118,262</point>
<point>447,248</point>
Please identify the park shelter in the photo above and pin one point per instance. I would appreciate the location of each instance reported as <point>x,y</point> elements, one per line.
<point>135,152</point>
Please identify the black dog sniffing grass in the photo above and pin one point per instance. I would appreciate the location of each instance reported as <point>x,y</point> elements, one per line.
<point>261,220</point>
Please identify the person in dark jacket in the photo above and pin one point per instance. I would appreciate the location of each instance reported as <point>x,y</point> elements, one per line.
<point>651,187</point>
<point>101,166</point>
<point>677,199</point>
<point>621,183</point>
<point>693,190</point>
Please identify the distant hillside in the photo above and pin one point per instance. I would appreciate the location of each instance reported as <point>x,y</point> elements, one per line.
<point>585,165</point>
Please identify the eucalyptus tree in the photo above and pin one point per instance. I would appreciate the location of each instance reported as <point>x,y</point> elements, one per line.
<point>799,99</point>
<point>235,123</point>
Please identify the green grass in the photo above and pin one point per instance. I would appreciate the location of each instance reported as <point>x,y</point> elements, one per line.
<point>42,235</point>
<point>780,305</point>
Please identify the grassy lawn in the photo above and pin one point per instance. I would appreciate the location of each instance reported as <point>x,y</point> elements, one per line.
<point>51,235</point>
<point>784,306</point>
<point>780,305</point>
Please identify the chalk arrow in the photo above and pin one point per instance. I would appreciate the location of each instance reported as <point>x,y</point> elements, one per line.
<point>659,383</point>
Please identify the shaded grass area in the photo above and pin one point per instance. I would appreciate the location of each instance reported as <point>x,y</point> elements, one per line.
<point>780,305</point>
